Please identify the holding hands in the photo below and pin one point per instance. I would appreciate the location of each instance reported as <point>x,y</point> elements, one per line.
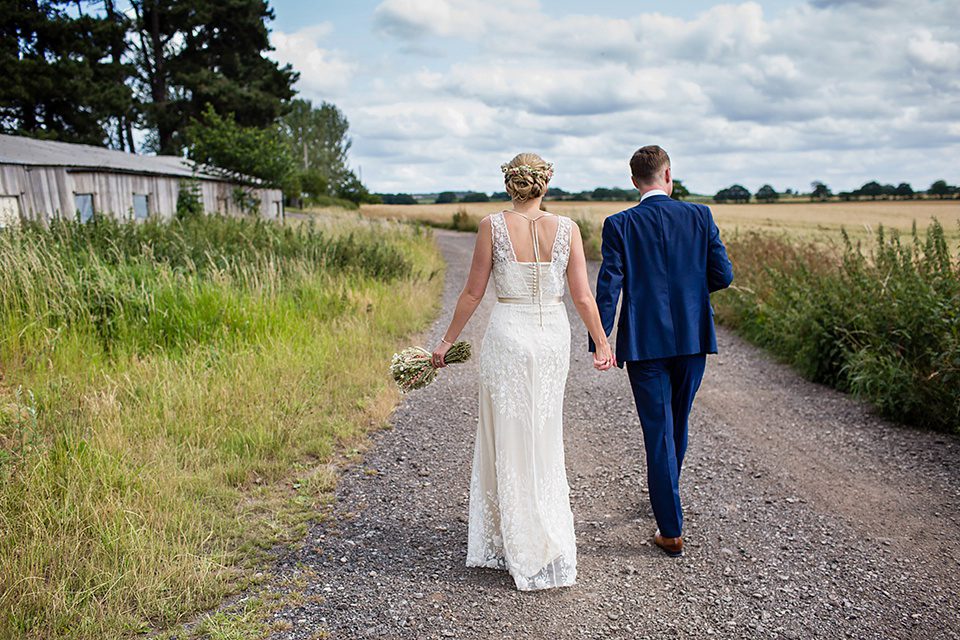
<point>603,357</point>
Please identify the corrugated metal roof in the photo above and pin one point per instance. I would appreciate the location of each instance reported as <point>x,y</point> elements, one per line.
<point>50,153</point>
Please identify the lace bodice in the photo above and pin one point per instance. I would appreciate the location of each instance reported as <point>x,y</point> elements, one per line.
<point>514,279</point>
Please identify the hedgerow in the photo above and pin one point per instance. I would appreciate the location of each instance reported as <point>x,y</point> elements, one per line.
<point>882,323</point>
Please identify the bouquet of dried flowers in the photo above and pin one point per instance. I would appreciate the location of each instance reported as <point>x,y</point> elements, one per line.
<point>412,368</point>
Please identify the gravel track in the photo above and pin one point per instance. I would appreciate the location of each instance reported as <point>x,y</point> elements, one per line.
<point>806,516</point>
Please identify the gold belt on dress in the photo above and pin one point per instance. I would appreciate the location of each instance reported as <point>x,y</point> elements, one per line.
<point>545,300</point>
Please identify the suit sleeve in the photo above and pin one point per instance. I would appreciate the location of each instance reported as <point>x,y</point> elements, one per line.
<point>610,278</point>
<point>719,268</point>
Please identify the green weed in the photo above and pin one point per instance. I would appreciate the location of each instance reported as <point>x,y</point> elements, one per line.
<point>883,324</point>
<point>463,221</point>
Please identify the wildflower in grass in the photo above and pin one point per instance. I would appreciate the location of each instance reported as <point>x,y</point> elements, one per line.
<point>412,368</point>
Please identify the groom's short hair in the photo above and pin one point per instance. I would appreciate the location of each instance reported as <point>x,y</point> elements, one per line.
<point>647,162</point>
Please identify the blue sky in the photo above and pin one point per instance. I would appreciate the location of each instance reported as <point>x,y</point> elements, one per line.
<point>440,92</point>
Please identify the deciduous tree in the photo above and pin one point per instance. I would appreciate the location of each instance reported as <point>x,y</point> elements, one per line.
<point>735,193</point>
<point>767,194</point>
<point>904,190</point>
<point>317,138</point>
<point>353,190</point>
<point>555,193</point>
<point>820,191</point>
<point>679,191</point>
<point>941,189</point>
<point>238,152</point>
<point>397,198</point>
<point>871,189</point>
<point>615,194</point>
<point>314,184</point>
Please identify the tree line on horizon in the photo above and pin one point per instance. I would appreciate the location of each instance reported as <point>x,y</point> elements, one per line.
<point>819,192</point>
<point>600,194</point>
<point>172,77</point>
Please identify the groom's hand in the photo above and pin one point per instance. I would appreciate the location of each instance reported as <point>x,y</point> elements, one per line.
<point>601,363</point>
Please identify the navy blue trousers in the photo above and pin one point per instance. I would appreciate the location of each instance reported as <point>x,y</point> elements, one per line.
<point>663,390</point>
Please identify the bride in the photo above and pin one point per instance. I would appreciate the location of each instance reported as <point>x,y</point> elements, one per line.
<point>520,518</point>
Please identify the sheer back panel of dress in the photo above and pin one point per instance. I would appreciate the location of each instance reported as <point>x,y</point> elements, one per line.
<point>521,236</point>
<point>514,277</point>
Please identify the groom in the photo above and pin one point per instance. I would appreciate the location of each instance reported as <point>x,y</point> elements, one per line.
<point>666,257</point>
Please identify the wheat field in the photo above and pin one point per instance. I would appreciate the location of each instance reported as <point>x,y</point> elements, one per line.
<point>799,217</point>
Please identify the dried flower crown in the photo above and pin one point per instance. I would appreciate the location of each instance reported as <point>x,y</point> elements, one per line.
<point>525,169</point>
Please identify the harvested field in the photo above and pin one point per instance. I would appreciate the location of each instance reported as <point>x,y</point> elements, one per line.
<point>800,217</point>
<point>811,218</point>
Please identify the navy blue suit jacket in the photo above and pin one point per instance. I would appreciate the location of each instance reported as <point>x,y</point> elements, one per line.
<point>666,257</point>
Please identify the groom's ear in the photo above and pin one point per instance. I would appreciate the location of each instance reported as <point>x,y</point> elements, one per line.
<point>633,179</point>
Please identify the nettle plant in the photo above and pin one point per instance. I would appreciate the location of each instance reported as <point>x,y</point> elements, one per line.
<point>880,323</point>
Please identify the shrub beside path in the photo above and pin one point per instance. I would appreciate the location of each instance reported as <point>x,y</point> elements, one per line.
<point>806,516</point>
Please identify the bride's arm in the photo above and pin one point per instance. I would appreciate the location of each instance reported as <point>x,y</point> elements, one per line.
<point>472,292</point>
<point>585,302</point>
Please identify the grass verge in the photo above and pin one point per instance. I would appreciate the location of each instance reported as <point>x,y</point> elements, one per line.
<point>172,397</point>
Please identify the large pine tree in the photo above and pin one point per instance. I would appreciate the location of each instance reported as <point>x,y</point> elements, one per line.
<point>190,53</point>
<point>63,74</point>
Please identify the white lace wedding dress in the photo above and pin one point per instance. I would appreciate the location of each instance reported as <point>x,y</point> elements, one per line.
<point>520,518</point>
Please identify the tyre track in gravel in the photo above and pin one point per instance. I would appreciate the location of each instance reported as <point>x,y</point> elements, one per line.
<point>806,516</point>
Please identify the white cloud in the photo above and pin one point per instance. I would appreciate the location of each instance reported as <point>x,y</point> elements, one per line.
<point>413,19</point>
<point>470,19</point>
<point>929,54</point>
<point>552,91</point>
<point>324,72</point>
<point>724,34</point>
<point>845,90</point>
<point>876,4</point>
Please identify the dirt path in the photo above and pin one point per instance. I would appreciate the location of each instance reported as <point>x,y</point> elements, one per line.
<point>805,517</point>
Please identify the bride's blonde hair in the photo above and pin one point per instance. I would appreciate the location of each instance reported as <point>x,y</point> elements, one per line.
<point>526,176</point>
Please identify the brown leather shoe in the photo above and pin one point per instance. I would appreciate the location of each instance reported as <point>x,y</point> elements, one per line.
<point>673,547</point>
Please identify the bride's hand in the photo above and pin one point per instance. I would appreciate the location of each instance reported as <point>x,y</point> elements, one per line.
<point>603,358</point>
<point>439,354</point>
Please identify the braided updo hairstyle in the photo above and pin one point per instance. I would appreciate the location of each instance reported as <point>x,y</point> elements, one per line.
<point>526,176</point>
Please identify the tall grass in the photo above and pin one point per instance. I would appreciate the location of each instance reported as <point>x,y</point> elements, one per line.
<point>171,396</point>
<point>158,285</point>
<point>882,323</point>
<point>591,234</point>
<point>463,221</point>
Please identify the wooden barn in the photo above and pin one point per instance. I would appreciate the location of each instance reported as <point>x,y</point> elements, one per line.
<point>40,179</point>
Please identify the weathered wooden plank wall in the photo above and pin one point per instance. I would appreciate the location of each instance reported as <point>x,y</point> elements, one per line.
<point>113,192</point>
<point>44,192</point>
